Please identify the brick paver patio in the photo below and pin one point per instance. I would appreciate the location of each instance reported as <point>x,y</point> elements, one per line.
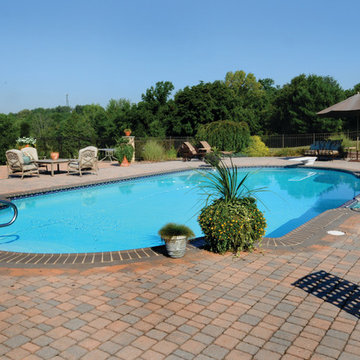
<point>204,306</point>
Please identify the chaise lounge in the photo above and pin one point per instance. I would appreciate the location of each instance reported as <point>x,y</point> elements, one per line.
<point>187,151</point>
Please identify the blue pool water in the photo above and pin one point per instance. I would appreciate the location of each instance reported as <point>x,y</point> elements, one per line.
<point>127,215</point>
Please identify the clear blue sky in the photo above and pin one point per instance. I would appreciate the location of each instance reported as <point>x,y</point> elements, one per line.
<point>95,50</point>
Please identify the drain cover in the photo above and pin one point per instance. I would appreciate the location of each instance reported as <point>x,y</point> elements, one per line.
<point>336,232</point>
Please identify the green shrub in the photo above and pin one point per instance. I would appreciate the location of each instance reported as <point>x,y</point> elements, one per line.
<point>225,135</point>
<point>171,154</point>
<point>153,151</point>
<point>346,142</point>
<point>232,226</point>
<point>232,220</point>
<point>295,151</point>
<point>256,147</point>
<point>213,157</point>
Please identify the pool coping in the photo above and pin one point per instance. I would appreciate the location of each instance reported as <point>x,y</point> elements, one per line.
<point>306,235</point>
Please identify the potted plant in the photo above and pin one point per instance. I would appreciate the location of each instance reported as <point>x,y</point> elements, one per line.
<point>124,152</point>
<point>176,237</point>
<point>127,132</point>
<point>54,155</point>
<point>25,142</point>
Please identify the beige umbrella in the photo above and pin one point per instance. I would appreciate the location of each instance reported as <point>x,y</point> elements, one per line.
<point>347,108</point>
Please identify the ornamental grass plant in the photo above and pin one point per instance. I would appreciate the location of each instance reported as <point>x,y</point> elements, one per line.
<point>171,229</point>
<point>230,219</point>
<point>153,151</point>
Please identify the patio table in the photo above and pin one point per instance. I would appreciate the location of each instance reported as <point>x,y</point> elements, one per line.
<point>109,154</point>
<point>52,163</point>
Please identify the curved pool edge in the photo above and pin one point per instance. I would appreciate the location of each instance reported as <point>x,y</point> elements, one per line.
<point>308,234</point>
<point>304,237</point>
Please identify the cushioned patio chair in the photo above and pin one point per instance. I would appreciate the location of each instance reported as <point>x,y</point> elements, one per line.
<point>187,151</point>
<point>33,154</point>
<point>17,163</point>
<point>86,161</point>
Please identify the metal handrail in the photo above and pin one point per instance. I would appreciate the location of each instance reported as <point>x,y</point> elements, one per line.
<point>9,203</point>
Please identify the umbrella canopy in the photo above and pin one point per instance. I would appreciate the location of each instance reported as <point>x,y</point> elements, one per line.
<point>346,108</point>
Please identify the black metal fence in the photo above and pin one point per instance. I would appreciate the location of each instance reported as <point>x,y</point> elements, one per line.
<point>69,147</point>
<point>296,140</point>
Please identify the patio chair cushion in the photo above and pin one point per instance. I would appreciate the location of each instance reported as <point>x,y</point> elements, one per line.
<point>26,159</point>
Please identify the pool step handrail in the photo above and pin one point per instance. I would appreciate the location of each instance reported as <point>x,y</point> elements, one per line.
<point>7,203</point>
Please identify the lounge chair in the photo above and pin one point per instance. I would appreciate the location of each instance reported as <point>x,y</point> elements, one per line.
<point>204,148</point>
<point>87,160</point>
<point>33,154</point>
<point>187,151</point>
<point>17,164</point>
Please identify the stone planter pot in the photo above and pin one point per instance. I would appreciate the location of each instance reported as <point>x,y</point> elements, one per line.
<point>176,246</point>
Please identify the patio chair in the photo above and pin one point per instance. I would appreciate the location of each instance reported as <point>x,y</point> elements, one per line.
<point>17,164</point>
<point>86,161</point>
<point>187,151</point>
<point>204,148</point>
<point>33,154</point>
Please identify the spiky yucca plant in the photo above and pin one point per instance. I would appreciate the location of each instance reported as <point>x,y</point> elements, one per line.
<point>230,219</point>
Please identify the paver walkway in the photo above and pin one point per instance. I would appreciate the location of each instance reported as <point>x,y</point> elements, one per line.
<point>302,304</point>
<point>200,307</point>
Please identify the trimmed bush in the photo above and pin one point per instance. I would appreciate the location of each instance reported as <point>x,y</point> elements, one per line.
<point>232,226</point>
<point>256,147</point>
<point>225,135</point>
<point>153,151</point>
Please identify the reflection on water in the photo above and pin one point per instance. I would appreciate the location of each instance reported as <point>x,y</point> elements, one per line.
<point>8,239</point>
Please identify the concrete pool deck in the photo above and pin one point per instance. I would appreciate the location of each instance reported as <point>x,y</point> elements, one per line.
<point>293,303</point>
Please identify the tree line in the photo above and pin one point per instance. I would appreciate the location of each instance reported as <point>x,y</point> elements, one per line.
<point>240,97</point>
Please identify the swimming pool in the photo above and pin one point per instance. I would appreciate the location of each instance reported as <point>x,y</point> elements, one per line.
<point>128,214</point>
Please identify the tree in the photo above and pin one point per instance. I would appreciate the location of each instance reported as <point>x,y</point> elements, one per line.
<point>158,96</point>
<point>6,142</point>
<point>201,104</point>
<point>241,82</point>
<point>251,99</point>
<point>297,103</point>
<point>353,91</point>
<point>155,109</point>
<point>103,126</point>
<point>118,114</point>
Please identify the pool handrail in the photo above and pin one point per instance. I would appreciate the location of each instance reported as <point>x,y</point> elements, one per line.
<point>13,206</point>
